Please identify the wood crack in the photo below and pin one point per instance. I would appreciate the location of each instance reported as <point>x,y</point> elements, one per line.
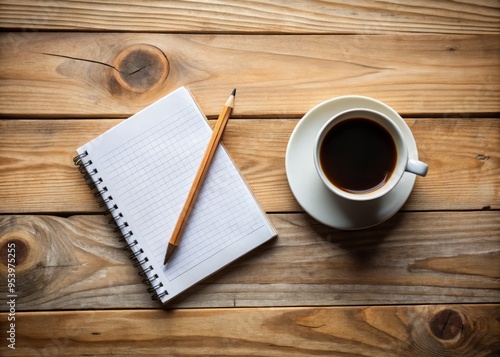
<point>90,61</point>
<point>311,326</point>
<point>134,72</point>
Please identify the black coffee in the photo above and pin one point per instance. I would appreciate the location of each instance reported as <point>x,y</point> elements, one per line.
<point>358,155</point>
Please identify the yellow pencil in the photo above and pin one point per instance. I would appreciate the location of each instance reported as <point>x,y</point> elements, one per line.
<point>200,176</point>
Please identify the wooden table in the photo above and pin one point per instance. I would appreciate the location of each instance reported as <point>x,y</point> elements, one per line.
<point>424,283</point>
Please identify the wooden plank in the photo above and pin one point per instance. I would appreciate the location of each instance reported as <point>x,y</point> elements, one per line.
<point>413,258</point>
<point>115,75</point>
<point>279,16</point>
<point>37,173</point>
<point>402,331</point>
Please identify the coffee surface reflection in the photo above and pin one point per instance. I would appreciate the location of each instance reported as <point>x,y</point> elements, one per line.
<point>358,155</point>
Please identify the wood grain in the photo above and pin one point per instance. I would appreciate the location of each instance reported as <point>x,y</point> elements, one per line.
<point>402,331</point>
<point>37,173</point>
<point>82,74</point>
<point>420,284</point>
<point>278,16</point>
<point>414,258</point>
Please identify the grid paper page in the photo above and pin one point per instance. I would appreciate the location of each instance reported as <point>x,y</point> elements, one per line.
<point>149,174</point>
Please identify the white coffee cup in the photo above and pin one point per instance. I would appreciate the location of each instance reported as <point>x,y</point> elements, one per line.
<point>357,117</point>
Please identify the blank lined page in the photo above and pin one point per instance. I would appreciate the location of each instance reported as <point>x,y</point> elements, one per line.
<point>148,164</point>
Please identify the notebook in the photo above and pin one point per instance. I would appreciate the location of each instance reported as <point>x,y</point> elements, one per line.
<point>143,168</point>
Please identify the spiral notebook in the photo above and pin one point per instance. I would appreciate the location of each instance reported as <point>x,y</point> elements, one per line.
<point>143,168</point>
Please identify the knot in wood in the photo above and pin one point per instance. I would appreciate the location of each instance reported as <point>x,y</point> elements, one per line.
<point>446,324</point>
<point>13,252</point>
<point>141,68</point>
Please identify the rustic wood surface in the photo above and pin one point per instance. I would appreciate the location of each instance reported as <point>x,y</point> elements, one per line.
<point>279,16</point>
<point>424,283</point>
<point>78,263</point>
<point>90,74</point>
<point>258,147</point>
<point>404,331</point>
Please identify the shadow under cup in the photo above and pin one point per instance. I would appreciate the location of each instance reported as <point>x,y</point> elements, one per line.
<point>361,154</point>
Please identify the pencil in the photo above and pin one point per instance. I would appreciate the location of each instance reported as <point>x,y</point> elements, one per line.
<point>200,176</point>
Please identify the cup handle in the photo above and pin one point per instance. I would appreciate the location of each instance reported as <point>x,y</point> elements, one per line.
<point>417,167</point>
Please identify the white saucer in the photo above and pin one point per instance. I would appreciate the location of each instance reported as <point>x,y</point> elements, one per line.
<point>307,187</point>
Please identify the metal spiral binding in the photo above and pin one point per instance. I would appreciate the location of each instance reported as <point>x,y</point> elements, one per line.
<point>157,296</point>
<point>101,192</point>
<point>95,183</point>
<point>104,201</point>
<point>92,185</point>
<point>128,234</point>
<point>141,262</point>
<point>144,271</point>
<point>113,219</point>
<point>120,227</point>
<point>131,244</point>
<point>78,158</point>
<point>124,237</point>
<point>150,279</point>
<point>136,254</point>
<point>153,288</point>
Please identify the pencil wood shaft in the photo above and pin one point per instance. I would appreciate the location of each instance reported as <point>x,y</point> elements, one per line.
<point>200,176</point>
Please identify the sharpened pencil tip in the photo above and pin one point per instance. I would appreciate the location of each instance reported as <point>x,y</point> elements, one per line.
<point>230,100</point>
<point>170,251</point>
